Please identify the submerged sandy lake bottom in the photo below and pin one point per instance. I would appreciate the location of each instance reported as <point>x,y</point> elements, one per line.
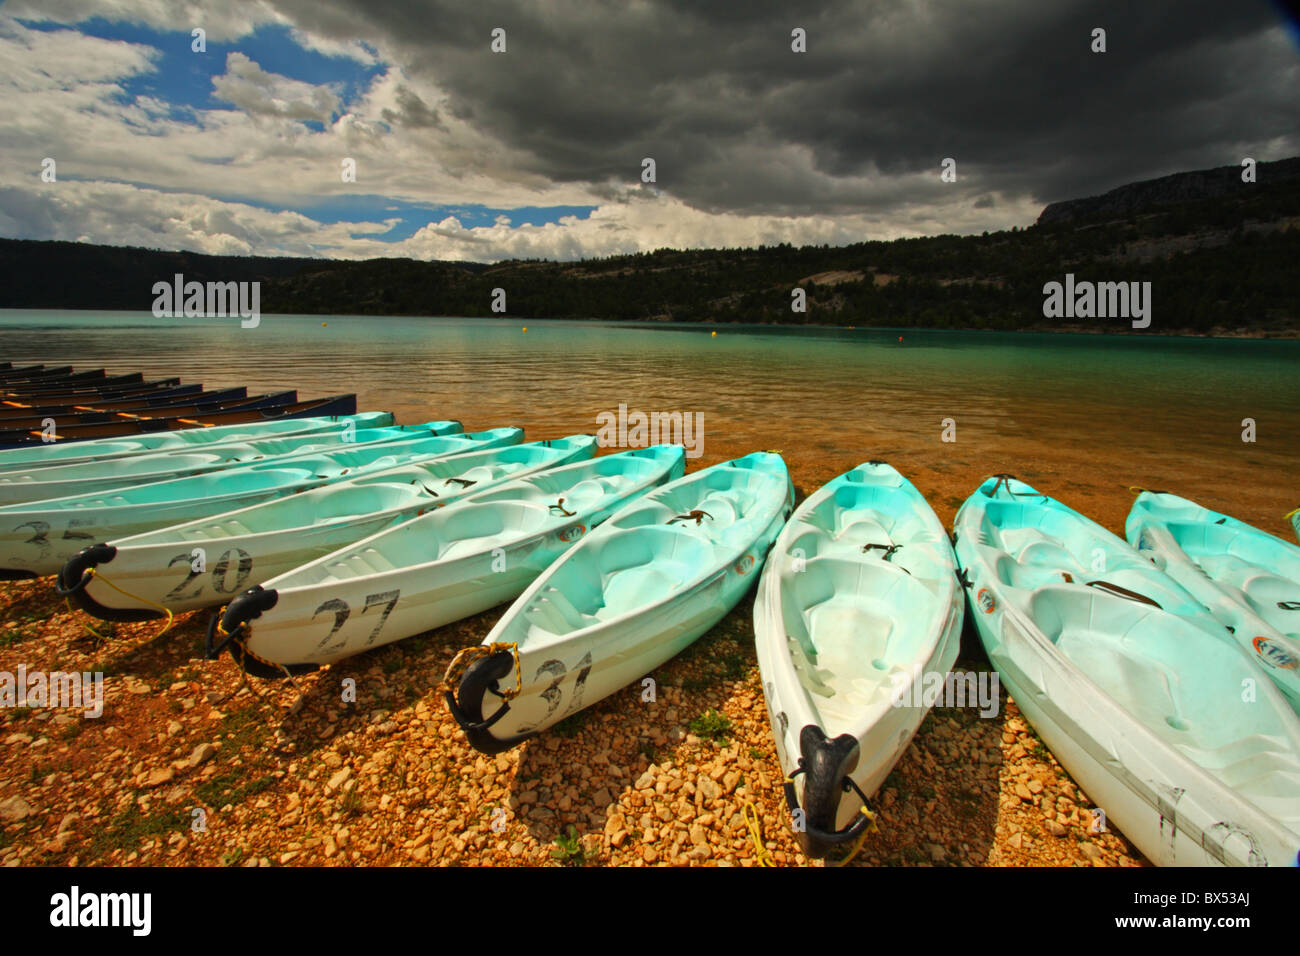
<point>1082,417</point>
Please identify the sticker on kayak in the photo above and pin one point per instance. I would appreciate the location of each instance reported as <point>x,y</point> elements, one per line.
<point>987,603</point>
<point>745,564</point>
<point>572,534</point>
<point>1273,655</point>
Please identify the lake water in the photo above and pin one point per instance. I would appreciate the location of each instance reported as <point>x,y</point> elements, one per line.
<point>1080,416</point>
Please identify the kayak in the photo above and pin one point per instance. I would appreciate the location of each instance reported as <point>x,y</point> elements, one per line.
<point>858,606</point>
<point>314,408</point>
<point>18,419</point>
<point>434,569</point>
<point>45,456</point>
<point>1172,731</point>
<point>36,484</point>
<point>636,591</point>
<point>1295,521</point>
<point>1249,580</point>
<point>11,411</point>
<point>136,577</point>
<point>39,537</point>
<point>80,392</point>
<point>41,377</point>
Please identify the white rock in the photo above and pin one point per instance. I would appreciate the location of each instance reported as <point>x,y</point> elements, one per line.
<point>15,809</point>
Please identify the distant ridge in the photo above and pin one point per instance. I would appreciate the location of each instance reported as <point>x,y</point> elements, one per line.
<point>1220,254</point>
<point>1129,200</point>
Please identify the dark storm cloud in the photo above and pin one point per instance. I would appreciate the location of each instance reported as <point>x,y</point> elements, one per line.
<point>737,122</point>
<point>413,112</point>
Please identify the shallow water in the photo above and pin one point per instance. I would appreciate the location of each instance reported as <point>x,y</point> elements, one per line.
<point>1080,416</point>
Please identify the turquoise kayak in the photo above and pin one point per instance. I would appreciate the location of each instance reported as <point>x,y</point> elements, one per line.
<point>105,449</point>
<point>1174,733</point>
<point>624,599</point>
<point>136,577</point>
<point>1248,579</point>
<point>1294,516</point>
<point>38,484</point>
<point>859,613</point>
<point>40,537</point>
<point>434,569</point>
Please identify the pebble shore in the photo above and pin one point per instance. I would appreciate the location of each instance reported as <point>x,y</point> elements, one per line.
<point>192,765</point>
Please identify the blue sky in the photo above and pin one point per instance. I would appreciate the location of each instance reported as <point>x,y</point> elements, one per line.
<point>116,131</point>
<point>184,80</point>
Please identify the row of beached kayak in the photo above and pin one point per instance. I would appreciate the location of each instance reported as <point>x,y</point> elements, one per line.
<point>1161,671</point>
<point>42,406</point>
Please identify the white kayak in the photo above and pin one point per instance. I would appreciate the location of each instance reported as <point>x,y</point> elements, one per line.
<point>1249,579</point>
<point>1177,736</point>
<point>858,606</point>
<point>60,481</point>
<point>434,569</point>
<point>203,563</point>
<point>40,537</point>
<point>629,596</point>
<point>109,449</point>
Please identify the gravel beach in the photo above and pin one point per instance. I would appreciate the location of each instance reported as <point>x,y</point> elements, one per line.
<point>191,765</point>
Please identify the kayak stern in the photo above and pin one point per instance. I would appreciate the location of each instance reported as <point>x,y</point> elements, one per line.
<point>467,702</point>
<point>76,574</point>
<point>826,766</point>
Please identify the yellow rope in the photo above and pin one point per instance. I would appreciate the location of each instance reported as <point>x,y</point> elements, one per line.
<point>857,847</point>
<point>755,826</point>
<point>1136,490</point>
<point>468,655</point>
<point>243,646</point>
<point>84,626</point>
<point>1288,516</point>
<point>171,618</point>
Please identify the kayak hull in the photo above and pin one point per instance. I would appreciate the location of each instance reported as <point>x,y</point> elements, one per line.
<point>848,640</point>
<point>1249,580</point>
<point>1132,684</point>
<point>440,567</point>
<point>41,537</point>
<point>665,581</point>
<point>26,485</point>
<point>106,449</point>
<point>343,514</point>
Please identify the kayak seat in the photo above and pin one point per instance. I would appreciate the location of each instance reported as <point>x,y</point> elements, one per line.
<point>812,679</point>
<point>635,587</point>
<point>227,528</point>
<point>854,620</point>
<point>1263,592</point>
<point>1138,655</point>
<point>864,528</point>
<point>476,528</point>
<point>551,611</point>
<point>726,509</point>
<point>594,491</point>
<point>1044,553</point>
<point>357,564</point>
<point>646,513</point>
<point>478,474</point>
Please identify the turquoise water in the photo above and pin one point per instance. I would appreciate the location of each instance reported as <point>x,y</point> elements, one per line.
<point>1097,410</point>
